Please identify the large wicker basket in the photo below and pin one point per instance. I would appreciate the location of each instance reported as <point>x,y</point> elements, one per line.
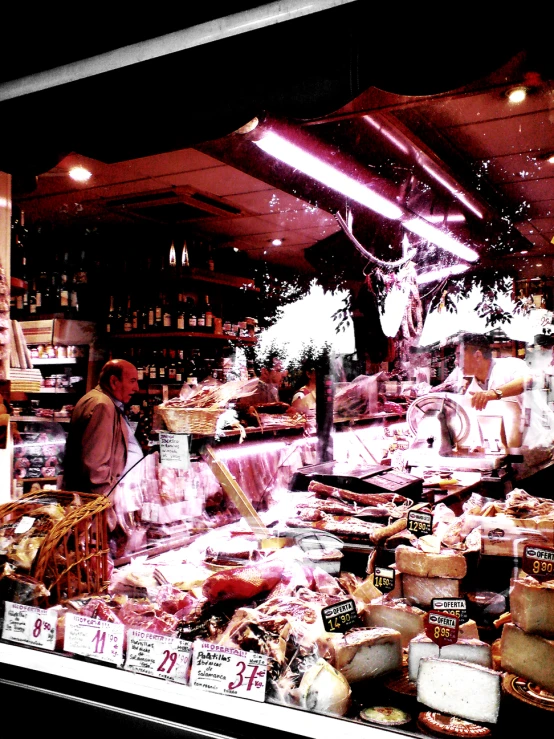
<point>199,421</point>
<point>72,559</point>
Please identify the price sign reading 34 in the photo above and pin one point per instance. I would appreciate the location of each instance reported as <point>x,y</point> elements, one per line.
<point>91,637</point>
<point>441,628</point>
<point>538,562</point>
<point>28,625</point>
<point>420,523</point>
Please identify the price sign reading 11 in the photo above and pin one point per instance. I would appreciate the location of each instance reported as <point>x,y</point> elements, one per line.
<point>91,637</point>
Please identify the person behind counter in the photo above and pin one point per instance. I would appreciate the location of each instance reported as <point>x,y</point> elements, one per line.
<point>484,377</point>
<point>270,380</point>
<point>304,399</point>
<point>101,446</point>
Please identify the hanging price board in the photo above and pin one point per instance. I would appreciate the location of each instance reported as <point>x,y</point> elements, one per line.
<point>157,655</point>
<point>91,637</point>
<point>28,625</point>
<point>538,562</point>
<point>228,671</point>
<point>420,523</point>
<point>383,579</point>
<point>340,617</point>
<point>441,628</point>
<point>453,606</point>
<point>174,450</point>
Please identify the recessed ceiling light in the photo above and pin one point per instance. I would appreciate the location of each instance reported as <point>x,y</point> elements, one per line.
<point>524,251</point>
<point>538,265</point>
<point>517,94</point>
<point>549,157</point>
<point>276,242</point>
<point>80,174</point>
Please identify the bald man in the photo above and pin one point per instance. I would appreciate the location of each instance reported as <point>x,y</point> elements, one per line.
<point>101,446</point>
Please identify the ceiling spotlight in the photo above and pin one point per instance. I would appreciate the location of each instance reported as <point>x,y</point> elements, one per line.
<point>276,242</point>
<point>524,251</point>
<point>517,94</point>
<point>80,174</point>
<point>548,157</point>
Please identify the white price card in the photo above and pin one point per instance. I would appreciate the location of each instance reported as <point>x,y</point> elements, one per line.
<point>174,450</point>
<point>157,655</point>
<point>28,625</point>
<point>91,637</point>
<point>228,671</point>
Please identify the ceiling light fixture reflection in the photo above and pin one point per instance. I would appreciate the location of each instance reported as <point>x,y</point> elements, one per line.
<point>441,274</point>
<point>440,238</point>
<point>276,242</point>
<point>296,157</point>
<point>80,174</point>
<point>517,94</point>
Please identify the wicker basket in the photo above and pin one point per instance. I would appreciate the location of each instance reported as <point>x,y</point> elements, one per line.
<point>199,421</point>
<point>72,560</point>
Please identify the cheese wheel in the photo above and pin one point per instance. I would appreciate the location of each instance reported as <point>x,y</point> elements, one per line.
<point>420,591</point>
<point>527,655</point>
<point>532,606</point>
<point>447,563</point>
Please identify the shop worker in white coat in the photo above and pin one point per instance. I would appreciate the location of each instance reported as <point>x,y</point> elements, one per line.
<point>484,378</point>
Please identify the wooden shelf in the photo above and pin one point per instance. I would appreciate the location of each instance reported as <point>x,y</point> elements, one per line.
<point>18,286</point>
<point>182,335</point>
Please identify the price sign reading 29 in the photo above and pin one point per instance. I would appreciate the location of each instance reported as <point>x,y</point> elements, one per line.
<point>90,637</point>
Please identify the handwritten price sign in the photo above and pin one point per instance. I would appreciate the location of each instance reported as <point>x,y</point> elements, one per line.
<point>228,671</point>
<point>538,562</point>
<point>441,628</point>
<point>158,656</point>
<point>27,625</point>
<point>91,637</point>
<point>420,524</point>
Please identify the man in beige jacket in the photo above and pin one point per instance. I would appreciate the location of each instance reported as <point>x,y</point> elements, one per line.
<point>101,446</point>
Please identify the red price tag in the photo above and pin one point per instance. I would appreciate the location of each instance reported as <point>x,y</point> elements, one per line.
<point>441,627</point>
<point>539,562</point>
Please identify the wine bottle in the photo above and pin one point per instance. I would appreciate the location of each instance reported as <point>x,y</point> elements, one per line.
<point>110,322</point>
<point>128,317</point>
<point>33,299</point>
<point>209,316</point>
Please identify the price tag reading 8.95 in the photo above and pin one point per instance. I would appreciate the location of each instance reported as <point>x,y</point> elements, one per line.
<point>228,671</point>
<point>441,628</point>
<point>91,637</point>
<point>157,655</point>
<point>419,523</point>
<point>538,562</point>
<point>340,617</point>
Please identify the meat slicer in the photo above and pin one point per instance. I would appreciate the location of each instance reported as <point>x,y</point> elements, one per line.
<point>449,432</point>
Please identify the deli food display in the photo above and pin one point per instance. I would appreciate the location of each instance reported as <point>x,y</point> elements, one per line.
<point>413,629</point>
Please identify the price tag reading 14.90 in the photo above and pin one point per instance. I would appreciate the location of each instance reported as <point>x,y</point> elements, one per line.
<point>420,523</point>
<point>339,617</point>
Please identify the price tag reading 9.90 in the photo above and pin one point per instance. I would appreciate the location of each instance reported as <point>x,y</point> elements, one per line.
<point>539,562</point>
<point>420,524</point>
<point>340,617</point>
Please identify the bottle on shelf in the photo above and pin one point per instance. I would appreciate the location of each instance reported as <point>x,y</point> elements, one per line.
<point>181,323</point>
<point>209,316</point>
<point>153,366</point>
<point>158,313</point>
<point>191,315</point>
<point>151,323</point>
<point>110,322</point>
<point>167,318</point>
<point>33,299</point>
<point>180,368</point>
<point>211,263</point>
<point>18,249</point>
<point>162,366</point>
<point>128,317</point>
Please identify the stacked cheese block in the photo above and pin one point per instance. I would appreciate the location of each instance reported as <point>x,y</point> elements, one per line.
<point>527,644</point>
<point>457,678</point>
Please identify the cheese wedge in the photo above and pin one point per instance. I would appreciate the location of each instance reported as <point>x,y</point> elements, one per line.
<point>408,620</point>
<point>527,655</point>
<point>447,563</point>
<point>461,689</point>
<point>532,606</point>
<point>464,650</point>
<point>420,591</point>
<point>362,654</point>
<point>418,649</point>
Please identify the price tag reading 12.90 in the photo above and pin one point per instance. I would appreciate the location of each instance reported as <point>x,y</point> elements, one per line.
<point>228,671</point>
<point>157,655</point>
<point>339,617</point>
<point>91,637</point>
<point>539,562</point>
<point>420,523</point>
<point>441,628</point>
<point>28,625</point>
